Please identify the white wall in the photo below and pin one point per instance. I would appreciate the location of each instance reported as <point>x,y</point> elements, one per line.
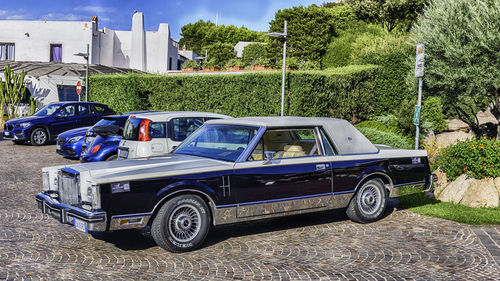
<point>32,39</point>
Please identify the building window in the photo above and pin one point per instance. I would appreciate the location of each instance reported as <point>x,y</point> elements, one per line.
<point>6,51</point>
<point>55,52</point>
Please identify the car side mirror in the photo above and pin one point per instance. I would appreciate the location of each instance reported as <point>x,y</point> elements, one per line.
<point>58,115</point>
<point>268,156</point>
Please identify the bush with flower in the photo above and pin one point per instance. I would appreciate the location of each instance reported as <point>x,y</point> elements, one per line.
<point>476,158</point>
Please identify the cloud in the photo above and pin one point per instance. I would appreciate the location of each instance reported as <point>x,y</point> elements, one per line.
<point>59,16</point>
<point>15,15</point>
<point>95,9</point>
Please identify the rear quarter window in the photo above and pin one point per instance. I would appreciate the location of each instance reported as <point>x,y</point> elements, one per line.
<point>131,129</point>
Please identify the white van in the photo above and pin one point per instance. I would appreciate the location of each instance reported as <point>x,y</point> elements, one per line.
<point>155,133</point>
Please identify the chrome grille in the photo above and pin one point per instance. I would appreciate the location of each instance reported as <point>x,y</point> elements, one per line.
<point>69,191</point>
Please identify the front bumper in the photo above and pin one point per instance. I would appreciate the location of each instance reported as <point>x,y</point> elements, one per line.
<point>95,220</point>
<point>15,135</point>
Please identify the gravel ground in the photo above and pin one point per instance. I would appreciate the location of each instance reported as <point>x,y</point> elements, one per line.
<point>322,246</point>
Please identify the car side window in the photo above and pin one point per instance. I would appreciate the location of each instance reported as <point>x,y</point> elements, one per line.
<point>97,109</point>
<point>67,111</point>
<point>287,143</point>
<point>185,126</point>
<point>83,109</point>
<point>157,130</point>
<point>326,144</point>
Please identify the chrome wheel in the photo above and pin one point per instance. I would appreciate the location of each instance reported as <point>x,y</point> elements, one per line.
<point>370,199</point>
<point>184,223</point>
<point>39,136</point>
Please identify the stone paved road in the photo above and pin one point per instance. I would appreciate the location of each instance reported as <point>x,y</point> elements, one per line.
<point>324,246</point>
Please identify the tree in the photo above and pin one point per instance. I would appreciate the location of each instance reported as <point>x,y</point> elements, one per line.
<point>462,55</point>
<point>221,53</point>
<point>388,13</point>
<point>199,34</point>
<point>309,32</point>
<point>11,91</point>
<point>253,52</point>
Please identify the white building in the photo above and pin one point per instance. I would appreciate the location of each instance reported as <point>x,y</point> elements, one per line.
<point>57,42</point>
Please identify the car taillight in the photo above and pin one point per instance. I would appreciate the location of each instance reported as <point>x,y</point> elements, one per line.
<point>95,149</point>
<point>144,130</point>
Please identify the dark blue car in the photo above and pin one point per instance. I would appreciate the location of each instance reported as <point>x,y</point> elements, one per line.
<point>46,124</point>
<point>69,144</point>
<point>101,141</point>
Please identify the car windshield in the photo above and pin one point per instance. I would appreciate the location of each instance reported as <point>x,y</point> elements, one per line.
<point>47,110</point>
<point>221,142</point>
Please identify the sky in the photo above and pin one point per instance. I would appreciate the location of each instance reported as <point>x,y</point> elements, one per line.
<point>117,14</point>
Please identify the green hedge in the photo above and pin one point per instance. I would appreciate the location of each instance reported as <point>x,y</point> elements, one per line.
<point>342,93</point>
<point>383,137</point>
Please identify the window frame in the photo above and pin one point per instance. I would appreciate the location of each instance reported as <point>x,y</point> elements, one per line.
<point>8,44</point>
<point>51,54</point>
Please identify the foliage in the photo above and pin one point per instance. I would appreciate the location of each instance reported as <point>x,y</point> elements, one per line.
<point>388,13</point>
<point>384,137</point>
<point>477,159</point>
<point>342,15</point>
<point>462,55</point>
<point>261,61</point>
<point>292,63</point>
<point>235,62</point>
<point>199,34</point>
<point>253,52</point>
<point>420,204</point>
<point>309,31</point>
<point>309,65</point>
<point>11,91</point>
<point>341,93</point>
<point>432,111</point>
<point>210,63</point>
<point>33,105</point>
<point>378,126</point>
<point>221,53</point>
<point>191,64</point>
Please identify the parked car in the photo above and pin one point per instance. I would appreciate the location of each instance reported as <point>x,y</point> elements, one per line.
<point>47,123</point>
<point>69,143</point>
<point>101,142</point>
<point>156,133</point>
<point>234,170</point>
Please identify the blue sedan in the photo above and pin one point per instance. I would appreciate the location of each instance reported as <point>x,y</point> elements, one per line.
<point>69,144</point>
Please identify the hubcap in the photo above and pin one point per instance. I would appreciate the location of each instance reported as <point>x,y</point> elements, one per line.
<point>39,137</point>
<point>184,223</point>
<point>370,199</point>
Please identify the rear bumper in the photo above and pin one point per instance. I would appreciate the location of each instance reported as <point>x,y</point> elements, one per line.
<point>96,220</point>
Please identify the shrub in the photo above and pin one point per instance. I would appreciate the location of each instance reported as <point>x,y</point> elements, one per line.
<point>382,137</point>
<point>210,63</point>
<point>191,64</point>
<point>235,62</point>
<point>253,52</point>
<point>221,53</point>
<point>342,93</point>
<point>309,65</point>
<point>475,158</point>
<point>432,111</point>
<point>377,125</point>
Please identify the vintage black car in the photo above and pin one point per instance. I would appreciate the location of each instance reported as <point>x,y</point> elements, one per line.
<point>234,170</point>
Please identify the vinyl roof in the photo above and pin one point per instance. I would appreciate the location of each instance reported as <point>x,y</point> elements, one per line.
<point>158,116</point>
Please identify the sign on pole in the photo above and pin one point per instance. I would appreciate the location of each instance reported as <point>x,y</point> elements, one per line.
<point>420,61</point>
<point>416,115</point>
<point>78,87</point>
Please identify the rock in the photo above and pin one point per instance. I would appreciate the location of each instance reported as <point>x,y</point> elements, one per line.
<point>441,183</point>
<point>486,117</point>
<point>497,185</point>
<point>449,138</point>
<point>481,193</point>
<point>457,125</point>
<point>455,190</point>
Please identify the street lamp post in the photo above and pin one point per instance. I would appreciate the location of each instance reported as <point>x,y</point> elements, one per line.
<point>86,57</point>
<point>283,37</point>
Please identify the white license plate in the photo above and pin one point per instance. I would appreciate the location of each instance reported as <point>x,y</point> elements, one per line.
<point>7,133</point>
<point>80,225</point>
<point>122,153</point>
<point>58,146</point>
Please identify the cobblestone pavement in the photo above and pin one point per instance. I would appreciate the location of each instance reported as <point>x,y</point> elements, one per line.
<point>323,246</point>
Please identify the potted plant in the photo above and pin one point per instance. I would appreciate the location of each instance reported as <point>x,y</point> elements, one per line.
<point>234,65</point>
<point>210,65</point>
<point>190,66</point>
<point>260,64</point>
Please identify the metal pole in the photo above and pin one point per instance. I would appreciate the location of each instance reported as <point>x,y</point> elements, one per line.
<point>283,76</point>
<point>419,103</point>
<point>87,74</point>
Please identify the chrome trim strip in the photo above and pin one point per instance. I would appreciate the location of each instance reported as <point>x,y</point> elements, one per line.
<point>410,183</point>
<point>131,215</point>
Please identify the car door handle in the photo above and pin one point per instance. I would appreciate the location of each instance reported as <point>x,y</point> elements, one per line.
<point>321,167</point>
